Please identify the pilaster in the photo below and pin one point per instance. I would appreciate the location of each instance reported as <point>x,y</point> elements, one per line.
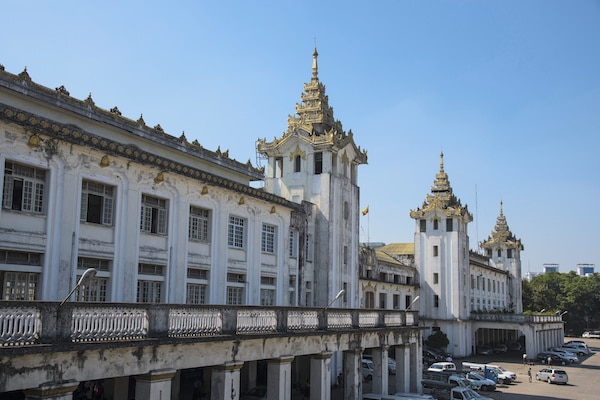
<point>225,381</point>
<point>155,385</point>
<point>279,378</point>
<point>320,376</point>
<point>52,390</point>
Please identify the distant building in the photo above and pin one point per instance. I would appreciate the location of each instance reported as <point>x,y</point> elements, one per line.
<point>550,268</point>
<point>585,269</point>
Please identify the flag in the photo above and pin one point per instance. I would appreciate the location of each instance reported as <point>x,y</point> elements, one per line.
<point>365,211</point>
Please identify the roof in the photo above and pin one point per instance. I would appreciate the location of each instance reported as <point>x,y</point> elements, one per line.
<point>399,249</point>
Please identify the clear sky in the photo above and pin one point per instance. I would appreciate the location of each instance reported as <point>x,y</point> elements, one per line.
<point>508,90</point>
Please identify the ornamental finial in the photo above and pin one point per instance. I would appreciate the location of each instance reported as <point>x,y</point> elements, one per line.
<point>315,68</point>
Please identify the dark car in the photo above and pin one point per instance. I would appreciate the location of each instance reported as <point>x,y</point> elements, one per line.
<point>430,354</point>
<point>555,359</point>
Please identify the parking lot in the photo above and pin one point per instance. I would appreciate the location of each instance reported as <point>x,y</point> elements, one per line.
<point>584,377</point>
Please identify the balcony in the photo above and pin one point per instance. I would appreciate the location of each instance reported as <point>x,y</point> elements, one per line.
<point>24,324</point>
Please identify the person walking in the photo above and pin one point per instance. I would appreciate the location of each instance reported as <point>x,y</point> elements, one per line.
<point>529,374</point>
<point>524,358</point>
<point>549,360</point>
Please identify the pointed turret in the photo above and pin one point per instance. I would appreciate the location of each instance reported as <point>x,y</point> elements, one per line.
<point>501,238</point>
<point>442,199</point>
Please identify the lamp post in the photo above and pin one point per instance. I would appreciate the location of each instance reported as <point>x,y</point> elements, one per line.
<point>412,302</point>
<point>563,313</point>
<point>87,274</point>
<point>337,296</point>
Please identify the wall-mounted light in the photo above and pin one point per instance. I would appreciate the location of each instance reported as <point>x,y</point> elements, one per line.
<point>34,141</point>
<point>105,161</point>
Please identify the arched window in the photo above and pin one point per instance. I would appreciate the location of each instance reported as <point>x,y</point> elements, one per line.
<point>297,163</point>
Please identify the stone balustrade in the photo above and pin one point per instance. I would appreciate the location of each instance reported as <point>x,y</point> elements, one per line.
<point>28,323</point>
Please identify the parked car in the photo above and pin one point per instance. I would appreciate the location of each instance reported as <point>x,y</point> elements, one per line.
<point>579,348</point>
<point>500,348</point>
<point>555,358</point>
<point>484,350</point>
<point>480,383</point>
<point>367,369</point>
<point>433,355</point>
<point>564,354</point>
<point>591,334</point>
<point>442,366</point>
<point>552,375</point>
<point>514,346</point>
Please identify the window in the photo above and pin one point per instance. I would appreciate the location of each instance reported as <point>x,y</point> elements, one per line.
<point>19,285</point>
<point>396,301</point>
<point>197,286</point>
<point>196,294</point>
<point>436,300</point>
<point>20,258</point>
<point>308,248</point>
<point>96,288</point>
<point>346,210</point>
<point>449,225</point>
<point>236,232</point>
<point>436,278</point>
<point>345,255</point>
<point>149,286</point>
<point>435,251</point>
<point>293,244</point>
<point>499,253</point>
<point>268,239</point>
<point>318,163</point>
<point>423,225</point>
<point>435,224</point>
<point>23,188</point>
<point>508,253</point>
<point>409,280</point>
<point>267,291</point>
<point>154,215</point>
<point>297,163</point>
<point>198,224</point>
<point>97,203</point>
<point>235,288</point>
<point>382,300</point>
<point>407,300</point>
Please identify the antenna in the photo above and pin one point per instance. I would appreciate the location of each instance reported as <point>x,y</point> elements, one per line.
<point>476,219</point>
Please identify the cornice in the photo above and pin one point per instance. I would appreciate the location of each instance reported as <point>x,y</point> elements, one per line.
<point>60,97</point>
<point>73,134</point>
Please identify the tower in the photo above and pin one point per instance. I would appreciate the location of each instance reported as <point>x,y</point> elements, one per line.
<point>315,162</point>
<point>504,250</point>
<point>442,252</point>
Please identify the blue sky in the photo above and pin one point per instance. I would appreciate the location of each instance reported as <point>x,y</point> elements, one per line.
<point>508,90</point>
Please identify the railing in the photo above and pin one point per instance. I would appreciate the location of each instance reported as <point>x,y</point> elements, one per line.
<point>516,318</point>
<point>26,323</point>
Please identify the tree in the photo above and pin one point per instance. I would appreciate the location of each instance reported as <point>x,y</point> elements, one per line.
<point>438,340</point>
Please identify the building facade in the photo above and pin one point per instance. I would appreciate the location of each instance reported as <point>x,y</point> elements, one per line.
<point>147,265</point>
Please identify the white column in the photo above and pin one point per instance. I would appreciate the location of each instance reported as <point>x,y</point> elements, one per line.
<point>402,368</point>
<point>225,381</point>
<point>52,391</point>
<point>352,374</point>
<point>155,385</point>
<point>380,364</point>
<point>279,378</point>
<point>320,376</point>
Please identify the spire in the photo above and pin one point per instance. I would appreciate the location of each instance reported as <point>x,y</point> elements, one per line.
<point>502,236</point>
<point>442,198</point>
<point>315,67</point>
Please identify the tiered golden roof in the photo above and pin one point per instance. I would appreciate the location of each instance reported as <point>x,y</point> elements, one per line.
<point>442,199</point>
<point>314,121</point>
<point>502,236</point>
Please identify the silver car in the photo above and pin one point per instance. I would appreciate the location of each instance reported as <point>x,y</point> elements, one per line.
<point>552,375</point>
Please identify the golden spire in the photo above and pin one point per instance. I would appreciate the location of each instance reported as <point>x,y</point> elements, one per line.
<point>315,68</point>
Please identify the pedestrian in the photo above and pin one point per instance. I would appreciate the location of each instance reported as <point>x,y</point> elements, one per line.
<point>524,358</point>
<point>549,360</point>
<point>529,374</point>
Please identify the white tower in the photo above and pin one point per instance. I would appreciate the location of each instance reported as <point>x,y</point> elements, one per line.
<point>316,161</point>
<point>504,250</point>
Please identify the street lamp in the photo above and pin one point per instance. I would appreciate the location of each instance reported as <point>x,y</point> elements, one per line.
<point>413,302</point>
<point>337,296</point>
<point>88,274</point>
<point>542,310</point>
<point>563,313</point>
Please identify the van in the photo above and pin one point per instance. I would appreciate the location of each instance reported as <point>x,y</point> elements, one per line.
<point>442,366</point>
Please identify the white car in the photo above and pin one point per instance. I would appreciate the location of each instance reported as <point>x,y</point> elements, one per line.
<point>591,334</point>
<point>552,375</point>
<point>579,348</point>
<point>480,383</point>
<point>442,366</point>
<point>367,369</point>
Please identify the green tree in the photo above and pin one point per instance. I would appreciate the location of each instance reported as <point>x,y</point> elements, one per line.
<point>438,340</point>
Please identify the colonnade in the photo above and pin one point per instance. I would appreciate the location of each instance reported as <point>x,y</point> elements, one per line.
<point>225,379</point>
